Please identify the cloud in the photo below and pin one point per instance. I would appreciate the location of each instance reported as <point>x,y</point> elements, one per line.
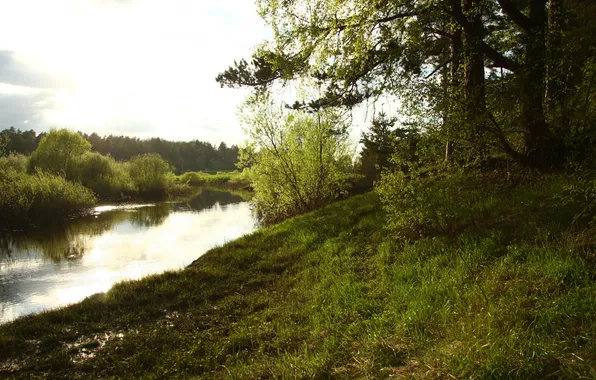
<point>134,67</point>
<point>25,111</point>
<point>18,73</point>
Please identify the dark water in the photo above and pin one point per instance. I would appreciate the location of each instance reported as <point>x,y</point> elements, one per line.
<point>56,266</point>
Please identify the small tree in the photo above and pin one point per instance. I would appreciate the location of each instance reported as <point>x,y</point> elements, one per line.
<point>57,151</point>
<point>149,173</point>
<point>302,160</point>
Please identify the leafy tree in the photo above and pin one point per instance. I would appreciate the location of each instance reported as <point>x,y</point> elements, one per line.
<point>377,147</point>
<point>302,162</point>
<point>14,161</point>
<point>57,151</point>
<point>17,141</point>
<point>4,140</point>
<point>149,172</point>
<point>461,57</point>
<point>102,174</point>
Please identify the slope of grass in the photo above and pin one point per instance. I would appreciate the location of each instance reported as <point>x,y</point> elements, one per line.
<point>334,294</point>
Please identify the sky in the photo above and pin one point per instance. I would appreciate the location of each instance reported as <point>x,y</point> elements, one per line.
<point>142,68</point>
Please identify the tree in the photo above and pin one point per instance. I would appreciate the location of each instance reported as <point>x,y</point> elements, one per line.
<point>4,140</point>
<point>362,49</point>
<point>377,147</point>
<point>149,172</point>
<point>57,151</point>
<point>302,162</point>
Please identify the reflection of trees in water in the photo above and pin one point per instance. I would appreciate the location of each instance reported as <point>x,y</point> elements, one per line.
<point>150,216</point>
<point>209,198</point>
<point>70,239</point>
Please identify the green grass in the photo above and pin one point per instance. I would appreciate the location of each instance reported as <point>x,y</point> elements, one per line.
<point>38,198</point>
<point>231,180</point>
<point>508,292</point>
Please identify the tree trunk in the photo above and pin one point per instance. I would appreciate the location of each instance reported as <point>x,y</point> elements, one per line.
<point>453,84</point>
<point>555,30</point>
<point>474,86</point>
<point>532,86</point>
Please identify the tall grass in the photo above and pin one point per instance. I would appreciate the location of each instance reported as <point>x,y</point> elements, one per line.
<point>40,197</point>
<point>233,179</point>
<point>500,285</point>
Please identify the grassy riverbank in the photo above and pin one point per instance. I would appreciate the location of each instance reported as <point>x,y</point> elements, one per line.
<point>227,180</point>
<point>511,294</point>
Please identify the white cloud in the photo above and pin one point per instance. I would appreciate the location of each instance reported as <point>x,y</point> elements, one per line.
<point>117,66</point>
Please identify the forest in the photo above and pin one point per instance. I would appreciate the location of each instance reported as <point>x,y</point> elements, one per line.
<point>63,176</point>
<point>182,156</point>
<point>479,86</point>
<point>458,240</point>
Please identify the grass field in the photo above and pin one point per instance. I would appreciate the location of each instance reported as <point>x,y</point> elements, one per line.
<point>335,294</point>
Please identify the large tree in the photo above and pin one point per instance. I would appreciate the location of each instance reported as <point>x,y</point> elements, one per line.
<point>362,49</point>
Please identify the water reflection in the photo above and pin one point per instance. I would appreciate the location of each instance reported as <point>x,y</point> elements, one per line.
<point>55,266</point>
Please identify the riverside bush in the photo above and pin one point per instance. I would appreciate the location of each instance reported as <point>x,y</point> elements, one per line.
<point>150,173</point>
<point>102,174</point>
<point>14,161</point>
<point>228,179</point>
<point>34,198</point>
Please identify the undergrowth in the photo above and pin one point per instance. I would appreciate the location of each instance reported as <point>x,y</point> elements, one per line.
<point>493,279</point>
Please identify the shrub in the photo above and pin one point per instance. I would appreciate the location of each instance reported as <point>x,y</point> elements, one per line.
<point>150,173</point>
<point>303,161</point>
<point>14,161</point>
<point>102,174</point>
<point>40,197</point>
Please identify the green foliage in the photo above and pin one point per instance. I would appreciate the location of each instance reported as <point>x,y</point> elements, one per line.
<point>333,294</point>
<point>39,197</point>
<point>497,79</point>
<point>14,161</point>
<point>16,141</point>
<point>150,173</point>
<point>4,140</point>
<point>102,174</point>
<point>183,156</point>
<point>226,179</point>
<point>302,161</point>
<point>57,152</point>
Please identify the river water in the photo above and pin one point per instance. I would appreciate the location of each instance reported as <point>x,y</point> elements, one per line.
<point>57,266</point>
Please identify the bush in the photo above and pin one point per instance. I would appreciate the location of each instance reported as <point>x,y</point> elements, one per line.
<point>40,197</point>
<point>150,173</point>
<point>227,179</point>
<point>302,162</point>
<point>102,174</point>
<point>428,204</point>
<point>57,151</point>
<point>15,161</point>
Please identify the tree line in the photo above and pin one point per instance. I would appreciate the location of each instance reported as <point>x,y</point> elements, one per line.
<point>183,156</point>
<point>481,85</point>
<point>485,80</point>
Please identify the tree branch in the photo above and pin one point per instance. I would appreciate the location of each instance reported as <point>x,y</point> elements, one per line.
<point>438,68</point>
<point>499,59</point>
<point>516,15</point>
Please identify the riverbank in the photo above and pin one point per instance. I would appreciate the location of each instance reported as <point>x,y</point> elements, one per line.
<point>334,294</point>
<point>226,180</point>
<point>39,199</point>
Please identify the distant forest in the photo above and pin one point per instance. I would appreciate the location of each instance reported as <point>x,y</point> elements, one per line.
<point>184,156</point>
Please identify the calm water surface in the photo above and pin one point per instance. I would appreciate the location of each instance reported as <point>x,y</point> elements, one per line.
<point>53,267</point>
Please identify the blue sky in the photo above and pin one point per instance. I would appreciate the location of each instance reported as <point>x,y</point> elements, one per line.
<point>135,67</point>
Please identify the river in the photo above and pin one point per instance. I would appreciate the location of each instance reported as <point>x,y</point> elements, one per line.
<point>52,267</point>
